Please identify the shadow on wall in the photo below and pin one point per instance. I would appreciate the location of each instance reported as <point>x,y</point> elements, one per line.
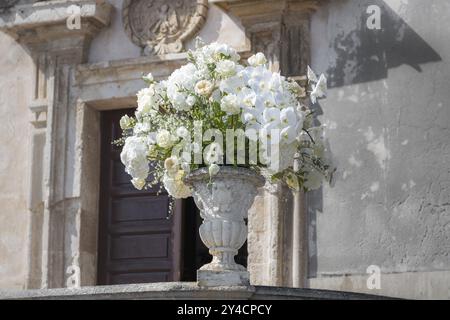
<point>365,54</point>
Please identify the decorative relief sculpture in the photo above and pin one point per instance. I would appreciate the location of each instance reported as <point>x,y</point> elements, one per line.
<point>162,26</point>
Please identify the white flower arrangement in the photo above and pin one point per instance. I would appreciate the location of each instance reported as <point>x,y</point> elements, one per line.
<point>211,95</point>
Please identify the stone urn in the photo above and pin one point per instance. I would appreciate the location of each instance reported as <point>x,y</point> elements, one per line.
<point>224,202</point>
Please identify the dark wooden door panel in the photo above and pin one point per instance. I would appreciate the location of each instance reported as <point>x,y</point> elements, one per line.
<point>137,241</point>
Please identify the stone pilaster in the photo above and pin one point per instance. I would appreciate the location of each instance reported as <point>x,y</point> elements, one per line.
<point>55,201</point>
<point>277,222</point>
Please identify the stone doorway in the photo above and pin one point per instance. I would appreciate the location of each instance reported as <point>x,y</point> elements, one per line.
<point>139,242</point>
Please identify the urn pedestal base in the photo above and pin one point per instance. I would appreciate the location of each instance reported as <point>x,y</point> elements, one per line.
<point>211,278</point>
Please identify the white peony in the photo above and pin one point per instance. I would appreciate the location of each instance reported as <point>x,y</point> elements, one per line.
<point>230,104</point>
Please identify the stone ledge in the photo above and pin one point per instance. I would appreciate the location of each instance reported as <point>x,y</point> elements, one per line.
<point>182,291</point>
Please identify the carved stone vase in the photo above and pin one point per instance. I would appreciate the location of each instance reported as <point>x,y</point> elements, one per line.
<point>224,202</point>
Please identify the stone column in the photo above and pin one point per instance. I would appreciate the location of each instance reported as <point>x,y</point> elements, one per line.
<point>56,248</point>
<point>277,222</point>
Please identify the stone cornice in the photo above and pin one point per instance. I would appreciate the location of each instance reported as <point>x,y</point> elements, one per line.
<point>250,11</point>
<point>47,21</point>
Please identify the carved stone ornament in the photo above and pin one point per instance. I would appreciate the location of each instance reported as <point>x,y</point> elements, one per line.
<point>162,26</point>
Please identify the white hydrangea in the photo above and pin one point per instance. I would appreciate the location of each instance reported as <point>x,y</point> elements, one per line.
<point>179,83</point>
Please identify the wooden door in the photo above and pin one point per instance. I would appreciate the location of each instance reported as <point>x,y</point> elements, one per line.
<point>138,243</point>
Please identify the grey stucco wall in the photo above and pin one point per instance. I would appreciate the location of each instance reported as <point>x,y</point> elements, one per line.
<point>16,76</point>
<point>388,118</point>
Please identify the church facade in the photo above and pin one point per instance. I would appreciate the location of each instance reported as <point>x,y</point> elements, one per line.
<point>71,68</point>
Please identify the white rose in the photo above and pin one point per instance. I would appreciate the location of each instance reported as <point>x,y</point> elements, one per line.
<point>204,87</point>
<point>226,68</point>
<point>257,60</point>
<point>164,139</point>
<point>125,122</point>
<point>230,104</point>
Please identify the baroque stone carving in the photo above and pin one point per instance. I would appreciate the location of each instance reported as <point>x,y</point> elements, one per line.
<point>224,205</point>
<point>162,26</point>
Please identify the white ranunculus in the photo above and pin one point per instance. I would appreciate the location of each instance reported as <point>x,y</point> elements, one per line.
<point>204,88</point>
<point>164,139</point>
<point>230,104</point>
<point>125,122</point>
<point>226,68</point>
<point>257,59</point>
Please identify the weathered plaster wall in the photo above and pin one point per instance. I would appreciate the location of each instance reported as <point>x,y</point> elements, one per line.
<point>388,117</point>
<point>16,70</point>
<point>113,43</point>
